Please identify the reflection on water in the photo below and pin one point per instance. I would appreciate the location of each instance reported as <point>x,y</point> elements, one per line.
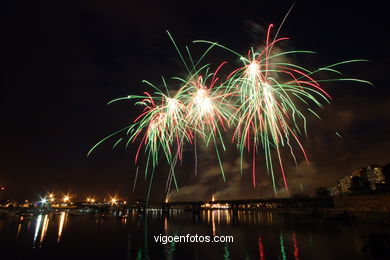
<point>61,225</point>
<point>282,251</point>
<point>19,226</point>
<point>37,227</point>
<point>296,250</point>
<point>261,249</point>
<point>40,227</point>
<point>44,229</point>
<point>226,255</point>
<point>165,225</point>
<point>129,235</point>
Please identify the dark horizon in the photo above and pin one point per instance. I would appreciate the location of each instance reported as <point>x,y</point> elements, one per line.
<point>67,59</point>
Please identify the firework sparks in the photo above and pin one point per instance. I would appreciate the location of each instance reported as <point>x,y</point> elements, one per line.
<point>263,105</point>
<point>272,97</point>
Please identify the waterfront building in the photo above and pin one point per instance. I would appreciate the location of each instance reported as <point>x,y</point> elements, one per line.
<point>334,190</point>
<point>345,184</point>
<point>360,172</point>
<point>375,175</point>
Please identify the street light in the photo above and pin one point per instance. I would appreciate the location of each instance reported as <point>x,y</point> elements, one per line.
<point>43,201</point>
<point>51,197</point>
<point>66,198</point>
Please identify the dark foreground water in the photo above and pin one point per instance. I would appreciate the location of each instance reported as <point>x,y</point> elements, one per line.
<point>257,235</point>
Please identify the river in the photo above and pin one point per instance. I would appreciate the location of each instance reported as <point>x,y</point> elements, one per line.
<point>128,235</point>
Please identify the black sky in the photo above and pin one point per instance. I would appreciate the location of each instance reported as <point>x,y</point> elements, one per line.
<point>66,59</point>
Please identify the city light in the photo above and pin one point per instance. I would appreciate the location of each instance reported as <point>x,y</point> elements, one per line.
<point>66,198</point>
<point>51,197</point>
<point>90,200</point>
<point>43,201</point>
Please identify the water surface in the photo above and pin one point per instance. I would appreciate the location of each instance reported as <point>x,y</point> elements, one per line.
<point>128,235</point>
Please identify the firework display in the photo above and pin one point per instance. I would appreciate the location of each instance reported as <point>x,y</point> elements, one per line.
<point>261,106</point>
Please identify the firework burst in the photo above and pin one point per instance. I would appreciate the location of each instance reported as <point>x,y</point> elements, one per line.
<point>272,97</point>
<point>263,104</point>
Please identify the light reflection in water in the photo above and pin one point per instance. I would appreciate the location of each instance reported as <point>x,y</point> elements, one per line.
<point>282,249</point>
<point>40,227</point>
<point>18,232</point>
<point>44,229</point>
<point>226,255</point>
<point>37,226</point>
<point>124,216</point>
<point>166,224</point>
<point>49,227</point>
<point>28,226</point>
<point>19,226</point>
<point>261,249</point>
<point>216,217</point>
<point>170,250</point>
<point>296,250</point>
<point>250,217</point>
<point>61,225</point>
<point>269,214</point>
<point>213,222</point>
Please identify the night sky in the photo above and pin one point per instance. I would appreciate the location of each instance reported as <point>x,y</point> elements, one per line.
<point>66,59</point>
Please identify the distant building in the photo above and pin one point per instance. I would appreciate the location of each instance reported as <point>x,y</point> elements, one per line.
<point>334,190</point>
<point>345,184</point>
<point>363,180</point>
<point>361,172</point>
<point>375,175</point>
